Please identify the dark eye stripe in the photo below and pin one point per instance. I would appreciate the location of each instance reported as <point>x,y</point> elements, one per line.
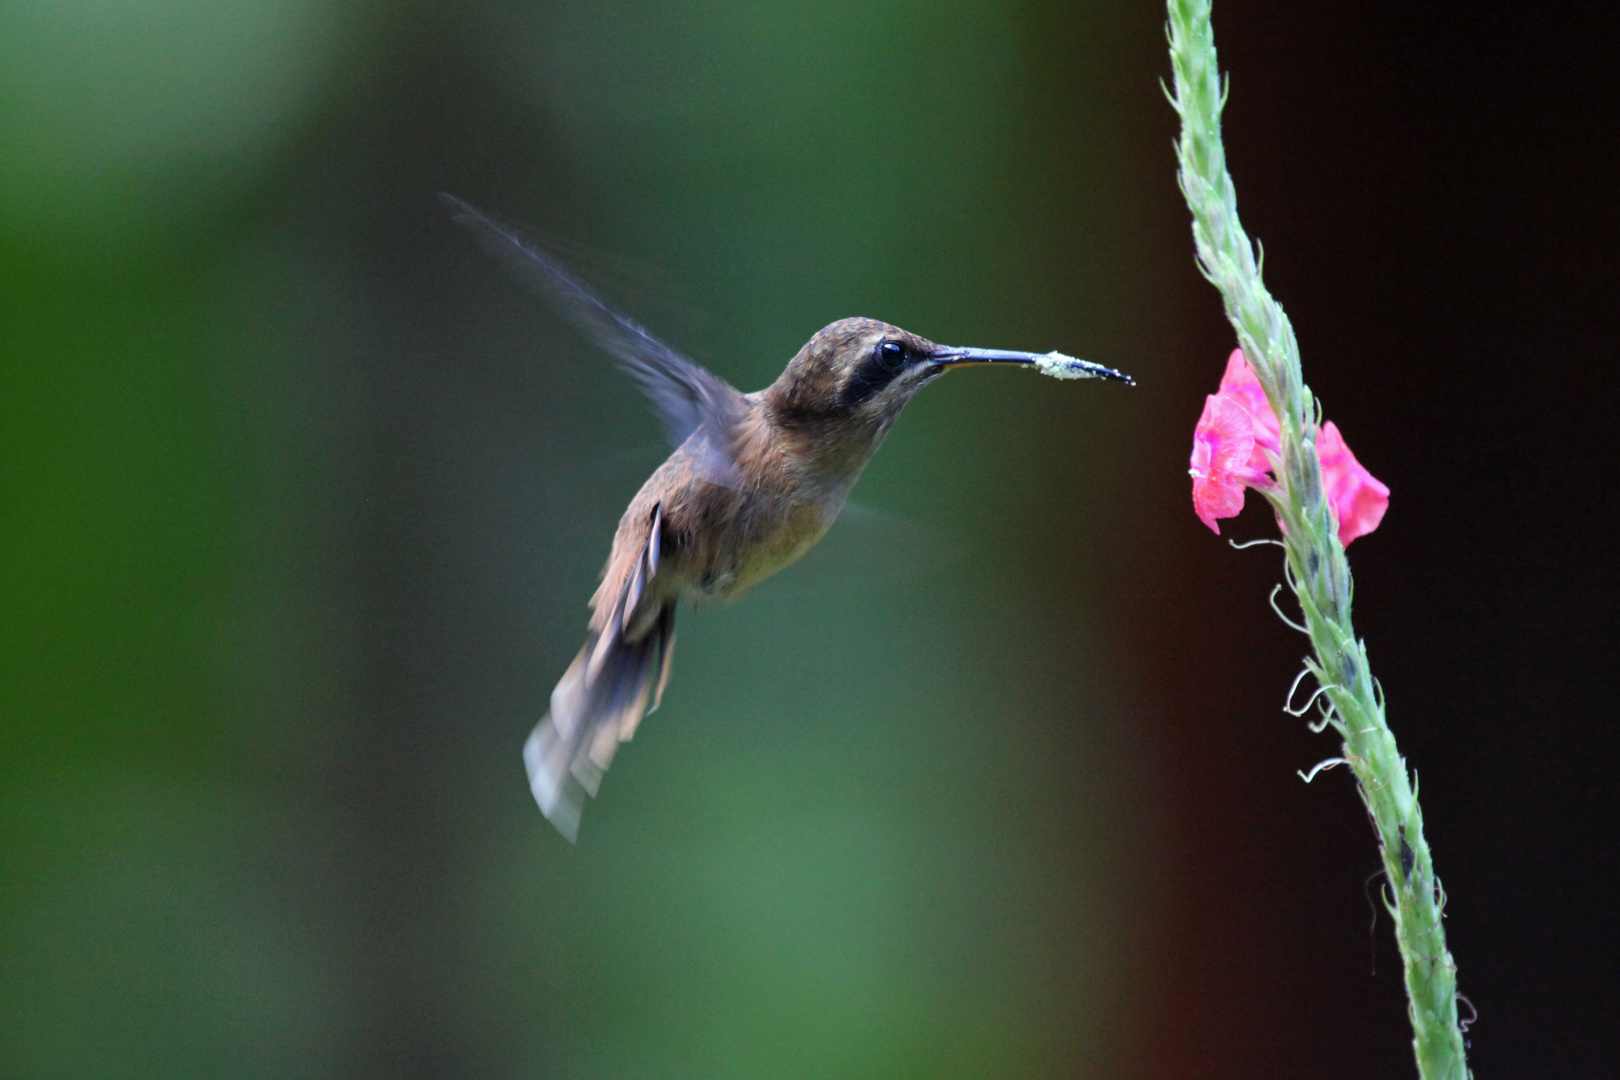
<point>874,373</point>
<point>866,382</point>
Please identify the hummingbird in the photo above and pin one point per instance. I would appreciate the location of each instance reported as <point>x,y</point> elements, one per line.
<point>754,481</point>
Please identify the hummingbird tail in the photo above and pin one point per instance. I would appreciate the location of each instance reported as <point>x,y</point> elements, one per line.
<point>597,705</point>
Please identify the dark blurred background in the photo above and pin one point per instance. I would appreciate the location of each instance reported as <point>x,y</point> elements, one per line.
<point>303,499</point>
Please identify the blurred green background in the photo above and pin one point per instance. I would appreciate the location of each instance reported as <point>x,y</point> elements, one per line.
<point>304,498</point>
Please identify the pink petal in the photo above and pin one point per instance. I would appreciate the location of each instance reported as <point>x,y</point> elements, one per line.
<point>1239,385</point>
<point>1212,501</point>
<point>1222,444</point>
<point>1357,497</point>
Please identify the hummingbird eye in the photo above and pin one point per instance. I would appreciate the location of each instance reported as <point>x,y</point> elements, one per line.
<point>892,355</point>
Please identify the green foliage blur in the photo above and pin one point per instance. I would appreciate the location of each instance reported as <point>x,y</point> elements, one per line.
<point>303,499</point>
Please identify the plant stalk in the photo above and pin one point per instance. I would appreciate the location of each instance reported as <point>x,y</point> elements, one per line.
<point>1349,699</point>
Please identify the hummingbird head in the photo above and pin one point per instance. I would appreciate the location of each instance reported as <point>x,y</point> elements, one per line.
<point>850,381</point>
<point>838,397</point>
<point>854,375</point>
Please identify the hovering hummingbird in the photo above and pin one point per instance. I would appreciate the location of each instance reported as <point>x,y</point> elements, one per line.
<point>754,481</point>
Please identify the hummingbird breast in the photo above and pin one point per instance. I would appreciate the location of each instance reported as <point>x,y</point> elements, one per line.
<point>720,540</point>
<point>725,539</point>
<point>767,533</point>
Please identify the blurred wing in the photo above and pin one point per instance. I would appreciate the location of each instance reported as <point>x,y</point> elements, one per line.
<point>868,550</point>
<point>685,397</point>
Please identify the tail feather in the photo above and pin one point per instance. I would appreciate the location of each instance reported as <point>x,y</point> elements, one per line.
<point>601,698</point>
<point>666,653</point>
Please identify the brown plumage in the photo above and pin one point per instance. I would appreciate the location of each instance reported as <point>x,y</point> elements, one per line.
<point>754,481</point>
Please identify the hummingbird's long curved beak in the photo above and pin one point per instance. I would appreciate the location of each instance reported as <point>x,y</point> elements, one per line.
<point>1052,363</point>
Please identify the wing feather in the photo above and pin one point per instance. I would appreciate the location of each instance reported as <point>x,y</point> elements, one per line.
<point>685,397</point>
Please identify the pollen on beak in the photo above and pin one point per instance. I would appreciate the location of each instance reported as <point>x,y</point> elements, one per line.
<point>1055,364</point>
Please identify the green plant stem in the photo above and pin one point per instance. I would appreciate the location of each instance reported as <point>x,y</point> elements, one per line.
<point>1349,698</point>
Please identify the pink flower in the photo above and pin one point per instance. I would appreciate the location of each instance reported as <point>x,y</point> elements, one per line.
<point>1240,385</point>
<point>1221,465</point>
<point>1358,497</point>
<point>1230,447</point>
